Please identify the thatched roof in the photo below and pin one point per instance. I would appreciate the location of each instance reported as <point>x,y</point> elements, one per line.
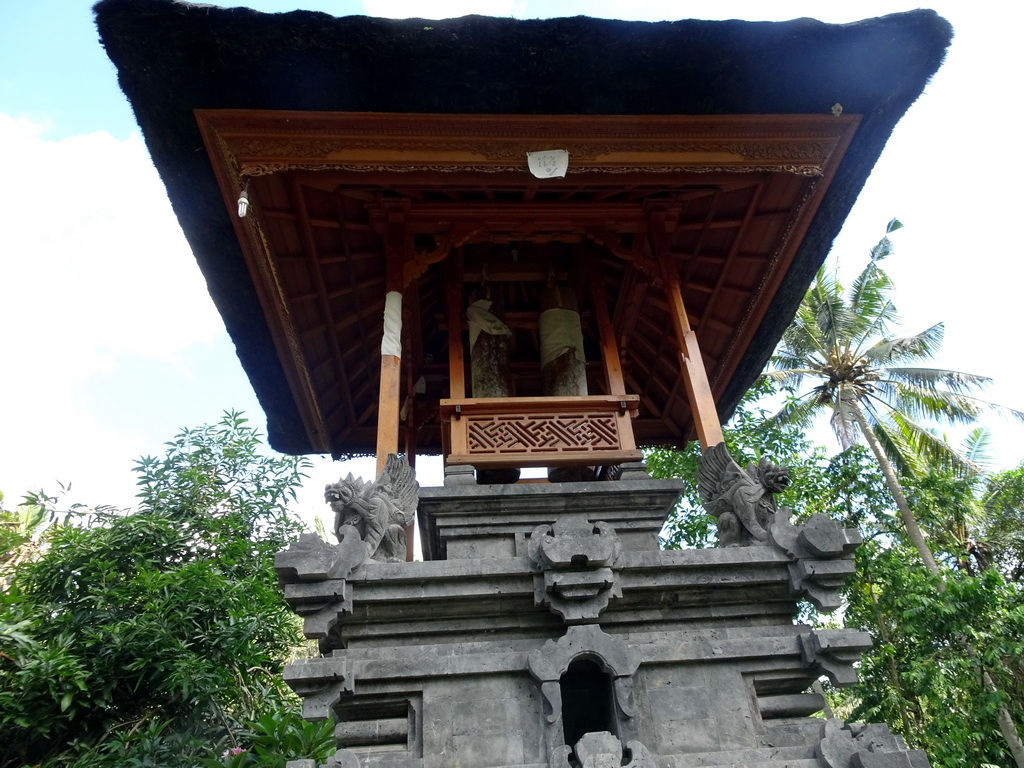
<point>173,58</point>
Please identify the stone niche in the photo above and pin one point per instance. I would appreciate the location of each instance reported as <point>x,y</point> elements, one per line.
<point>547,629</point>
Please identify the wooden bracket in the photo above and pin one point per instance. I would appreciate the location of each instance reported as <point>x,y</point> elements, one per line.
<point>634,254</point>
<point>421,260</point>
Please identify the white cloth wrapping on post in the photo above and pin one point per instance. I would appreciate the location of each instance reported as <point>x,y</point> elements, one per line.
<point>482,319</point>
<point>391,343</point>
<point>560,332</point>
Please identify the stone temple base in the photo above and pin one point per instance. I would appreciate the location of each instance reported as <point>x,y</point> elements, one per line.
<point>551,632</point>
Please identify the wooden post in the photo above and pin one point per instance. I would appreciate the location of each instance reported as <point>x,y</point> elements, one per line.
<point>691,364</point>
<point>609,344</point>
<point>398,250</point>
<point>456,355</point>
<point>695,377</point>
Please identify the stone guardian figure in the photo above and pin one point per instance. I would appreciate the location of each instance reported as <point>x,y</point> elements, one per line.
<point>380,511</point>
<point>741,499</point>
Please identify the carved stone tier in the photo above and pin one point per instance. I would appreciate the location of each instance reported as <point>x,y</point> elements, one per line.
<point>681,659</point>
<point>540,431</point>
<point>466,520</point>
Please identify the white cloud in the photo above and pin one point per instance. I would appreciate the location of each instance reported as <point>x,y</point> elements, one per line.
<point>95,274</point>
<point>92,248</point>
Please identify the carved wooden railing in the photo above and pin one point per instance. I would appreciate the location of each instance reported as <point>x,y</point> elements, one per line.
<point>540,431</point>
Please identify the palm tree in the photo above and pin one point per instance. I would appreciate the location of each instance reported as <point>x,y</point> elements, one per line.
<point>866,378</point>
<point>870,383</point>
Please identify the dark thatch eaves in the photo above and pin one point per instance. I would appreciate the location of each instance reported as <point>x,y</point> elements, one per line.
<point>175,57</point>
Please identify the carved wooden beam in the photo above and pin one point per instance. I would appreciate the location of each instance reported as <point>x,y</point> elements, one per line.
<point>634,253</point>
<point>421,260</point>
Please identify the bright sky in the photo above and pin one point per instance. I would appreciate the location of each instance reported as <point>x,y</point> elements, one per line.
<point>109,343</point>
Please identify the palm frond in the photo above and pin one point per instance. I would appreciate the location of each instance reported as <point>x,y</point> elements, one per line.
<point>924,448</point>
<point>787,358</point>
<point>870,305</point>
<point>935,378</point>
<point>936,404</point>
<point>790,378</point>
<point>977,447</point>
<point>873,322</point>
<point>807,347</point>
<point>825,311</point>
<point>920,346</point>
<point>884,246</point>
<point>799,411</point>
<point>896,446</point>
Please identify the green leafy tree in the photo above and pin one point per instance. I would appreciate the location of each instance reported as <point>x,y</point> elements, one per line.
<point>1002,528</point>
<point>20,531</point>
<point>946,667</point>
<point>153,637</point>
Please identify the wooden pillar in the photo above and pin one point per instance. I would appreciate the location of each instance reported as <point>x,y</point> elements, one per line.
<point>456,354</point>
<point>691,364</point>
<point>609,344</point>
<point>398,250</point>
<point>695,377</point>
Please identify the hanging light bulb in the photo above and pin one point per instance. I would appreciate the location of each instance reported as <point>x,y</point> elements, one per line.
<point>243,201</point>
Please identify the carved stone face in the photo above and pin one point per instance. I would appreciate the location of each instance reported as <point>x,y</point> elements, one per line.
<point>775,479</point>
<point>337,492</point>
<point>339,495</point>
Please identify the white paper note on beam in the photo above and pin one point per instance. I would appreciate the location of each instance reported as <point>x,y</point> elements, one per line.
<point>550,164</point>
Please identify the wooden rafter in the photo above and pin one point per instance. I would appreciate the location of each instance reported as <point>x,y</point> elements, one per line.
<point>720,284</point>
<point>295,196</point>
<point>356,302</point>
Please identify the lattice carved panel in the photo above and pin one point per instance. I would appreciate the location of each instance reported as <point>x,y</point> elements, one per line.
<point>541,431</point>
<point>547,432</point>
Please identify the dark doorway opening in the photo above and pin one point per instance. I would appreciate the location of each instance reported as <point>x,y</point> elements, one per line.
<point>587,704</point>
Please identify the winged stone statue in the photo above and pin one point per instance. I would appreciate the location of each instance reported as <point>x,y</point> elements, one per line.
<point>741,499</point>
<point>380,511</point>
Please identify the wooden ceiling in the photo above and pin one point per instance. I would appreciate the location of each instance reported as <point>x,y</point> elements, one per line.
<point>729,198</point>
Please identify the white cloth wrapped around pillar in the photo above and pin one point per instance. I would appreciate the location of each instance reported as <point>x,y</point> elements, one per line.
<point>391,343</point>
<point>560,332</point>
<point>481,319</point>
